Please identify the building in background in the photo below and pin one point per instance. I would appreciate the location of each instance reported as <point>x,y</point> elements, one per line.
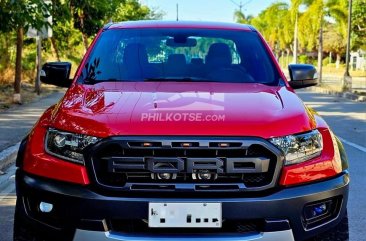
<point>358,60</point>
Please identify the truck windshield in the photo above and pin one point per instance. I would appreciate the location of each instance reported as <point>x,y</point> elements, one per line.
<point>189,55</point>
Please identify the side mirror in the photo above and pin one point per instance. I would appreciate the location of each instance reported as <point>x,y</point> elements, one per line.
<point>302,75</point>
<point>56,73</point>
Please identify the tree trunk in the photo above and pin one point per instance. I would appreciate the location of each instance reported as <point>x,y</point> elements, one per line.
<point>18,67</point>
<point>320,53</point>
<point>330,57</point>
<point>55,49</point>
<point>39,63</point>
<point>85,38</point>
<point>6,59</point>
<point>85,41</point>
<point>338,61</point>
<point>295,39</point>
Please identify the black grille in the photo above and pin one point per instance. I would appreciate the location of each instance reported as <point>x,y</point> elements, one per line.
<point>137,163</point>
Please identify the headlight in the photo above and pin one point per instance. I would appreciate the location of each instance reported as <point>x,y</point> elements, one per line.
<point>68,146</point>
<point>300,148</point>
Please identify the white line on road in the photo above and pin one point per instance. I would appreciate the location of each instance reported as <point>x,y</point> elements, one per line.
<point>358,147</point>
<point>9,189</point>
<point>7,182</point>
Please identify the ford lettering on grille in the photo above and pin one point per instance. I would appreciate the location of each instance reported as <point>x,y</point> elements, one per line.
<point>189,165</point>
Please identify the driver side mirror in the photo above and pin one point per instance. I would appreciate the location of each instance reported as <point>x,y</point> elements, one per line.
<point>56,73</point>
<point>302,75</point>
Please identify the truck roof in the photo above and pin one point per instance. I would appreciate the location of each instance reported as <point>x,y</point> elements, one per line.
<point>179,24</point>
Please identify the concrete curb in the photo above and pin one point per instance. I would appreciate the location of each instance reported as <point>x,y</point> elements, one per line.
<point>7,157</point>
<point>347,95</point>
<point>5,177</point>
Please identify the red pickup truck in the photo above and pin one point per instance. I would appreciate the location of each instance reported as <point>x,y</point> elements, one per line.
<point>180,131</point>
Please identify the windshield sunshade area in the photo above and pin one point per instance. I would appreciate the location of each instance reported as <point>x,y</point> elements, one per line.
<point>187,55</point>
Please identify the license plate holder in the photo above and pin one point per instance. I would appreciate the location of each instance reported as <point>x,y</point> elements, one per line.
<point>185,215</point>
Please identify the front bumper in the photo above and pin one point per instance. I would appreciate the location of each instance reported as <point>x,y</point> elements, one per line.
<point>87,214</point>
<point>82,235</point>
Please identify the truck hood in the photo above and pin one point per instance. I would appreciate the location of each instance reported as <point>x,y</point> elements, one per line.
<point>191,109</point>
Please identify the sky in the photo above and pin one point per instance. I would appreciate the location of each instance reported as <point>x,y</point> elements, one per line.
<point>207,10</point>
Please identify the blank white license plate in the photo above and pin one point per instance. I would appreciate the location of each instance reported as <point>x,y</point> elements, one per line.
<point>185,215</point>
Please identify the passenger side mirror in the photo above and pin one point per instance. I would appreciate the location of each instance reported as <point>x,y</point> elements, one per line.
<point>302,75</point>
<point>56,73</point>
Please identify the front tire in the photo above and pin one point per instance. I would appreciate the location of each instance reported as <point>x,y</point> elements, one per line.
<point>23,231</point>
<point>26,229</point>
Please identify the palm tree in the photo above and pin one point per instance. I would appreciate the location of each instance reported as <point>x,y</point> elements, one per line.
<point>295,4</point>
<point>239,17</point>
<point>294,10</point>
<point>311,30</point>
<point>313,22</point>
<point>275,16</point>
<point>273,24</point>
<point>337,9</point>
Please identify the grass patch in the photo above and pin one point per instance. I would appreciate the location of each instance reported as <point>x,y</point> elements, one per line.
<point>27,92</point>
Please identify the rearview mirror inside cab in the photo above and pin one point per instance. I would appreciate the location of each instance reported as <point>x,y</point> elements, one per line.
<point>181,41</point>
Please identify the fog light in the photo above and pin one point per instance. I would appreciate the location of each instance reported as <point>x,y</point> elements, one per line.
<point>317,210</point>
<point>164,176</point>
<point>320,212</point>
<point>204,175</point>
<point>45,207</point>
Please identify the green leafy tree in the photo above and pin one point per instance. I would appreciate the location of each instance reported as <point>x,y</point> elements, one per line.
<point>61,26</point>
<point>337,10</point>
<point>279,24</point>
<point>270,23</point>
<point>239,17</point>
<point>333,41</point>
<point>273,24</point>
<point>294,11</point>
<point>19,15</point>
<point>76,21</point>
<point>309,25</point>
<point>359,25</point>
<point>312,23</point>
<point>133,10</point>
<point>90,15</point>
<point>311,30</point>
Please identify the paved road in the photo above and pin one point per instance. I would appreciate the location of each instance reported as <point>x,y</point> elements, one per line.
<point>348,120</point>
<point>18,121</point>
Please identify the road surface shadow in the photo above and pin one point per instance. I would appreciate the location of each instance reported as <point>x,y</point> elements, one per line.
<point>7,207</point>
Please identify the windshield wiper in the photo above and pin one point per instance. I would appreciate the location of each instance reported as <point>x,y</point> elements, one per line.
<point>178,79</point>
<point>91,81</point>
